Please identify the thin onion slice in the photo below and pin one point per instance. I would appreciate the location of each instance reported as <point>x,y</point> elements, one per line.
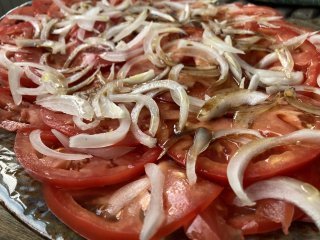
<point>290,96</point>
<point>105,153</point>
<point>289,190</point>
<point>132,27</point>
<point>125,195</point>
<point>103,139</point>
<point>155,215</point>
<point>38,145</point>
<point>221,103</point>
<point>147,101</point>
<point>201,142</point>
<point>14,75</point>
<point>247,152</point>
<point>85,126</point>
<point>180,93</point>
<point>72,105</point>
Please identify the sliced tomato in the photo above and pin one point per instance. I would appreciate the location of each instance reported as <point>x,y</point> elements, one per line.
<point>211,225</point>
<point>267,216</point>
<point>182,203</point>
<point>64,124</point>
<point>13,117</point>
<point>92,172</point>
<point>213,163</point>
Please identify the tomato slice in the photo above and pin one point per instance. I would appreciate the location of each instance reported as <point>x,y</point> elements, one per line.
<point>213,162</point>
<point>13,117</point>
<point>211,225</point>
<point>93,172</point>
<point>182,203</point>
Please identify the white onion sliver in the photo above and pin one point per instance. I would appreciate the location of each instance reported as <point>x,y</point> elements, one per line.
<point>85,126</point>
<point>132,27</point>
<point>247,152</point>
<point>180,93</point>
<point>105,153</point>
<point>68,104</point>
<point>235,131</point>
<point>103,139</point>
<point>219,104</point>
<point>146,101</point>
<point>155,215</point>
<point>123,196</point>
<point>38,145</point>
<point>201,142</point>
<point>14,75</point>
<point>289,190</point>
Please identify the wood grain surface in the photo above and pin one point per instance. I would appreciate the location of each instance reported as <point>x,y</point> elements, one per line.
<point>11,228</point>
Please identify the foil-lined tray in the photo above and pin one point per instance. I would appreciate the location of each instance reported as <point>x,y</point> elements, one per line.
<point>21,195</point>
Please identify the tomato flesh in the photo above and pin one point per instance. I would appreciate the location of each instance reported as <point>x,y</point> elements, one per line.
<point>94,172</point>
<point>182,203</point>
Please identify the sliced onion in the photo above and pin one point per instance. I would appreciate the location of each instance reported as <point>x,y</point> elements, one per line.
<point>298,88</point>
<point>254,82</point>
<point>105,153</point>
<point>123,196</point>
<point>267,60</point>
<point>32,76</point>
<point>210,54</point>
<point>235,131</point>
<point>104,107</point>
<point>155,215</point>
<point>175,72</point>
<point>103,139</point>
<point>71,105</point>
<point>269,77</point>
<point>85,126</point>
<point>125,69</point>
<point>147,101</point>
<point>185,14</point>
<point>132,27</point>
<point>180,93</point>
<point>221,103</point>
<point>201,142</point>
<point>38,145</point>
<point>301,194</point>
<point>14,75</point>
<point>121,56</point>
<point>286,60</point>
<point>75,77</point>
<point>40,90</point>
<point>210,39</point>
<point>294,42</point>
<point>33,21</point>
<point>291,98</point>
<point>47,28</point>
<point>4,60</point>
<point>138,39</point>
<point>148,43</point>
<point>89,21</point>
<point>64,8</point>
<point>85,82</point>
<point>74,53</point>
<point>233,63</point>
<point>241,159</point>
<point>114,30</point>
<point>44,68</point>
<point>164,16</point>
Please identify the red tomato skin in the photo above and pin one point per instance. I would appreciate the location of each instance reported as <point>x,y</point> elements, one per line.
<point>283,163</point>
<point>43,172</point>
<point>83,222</point>
<point>87,224</point>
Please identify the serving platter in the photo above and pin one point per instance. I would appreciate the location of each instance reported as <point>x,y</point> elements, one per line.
<point>21,195</point>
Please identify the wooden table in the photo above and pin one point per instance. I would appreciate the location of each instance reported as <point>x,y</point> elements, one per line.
<point>11,228</point>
